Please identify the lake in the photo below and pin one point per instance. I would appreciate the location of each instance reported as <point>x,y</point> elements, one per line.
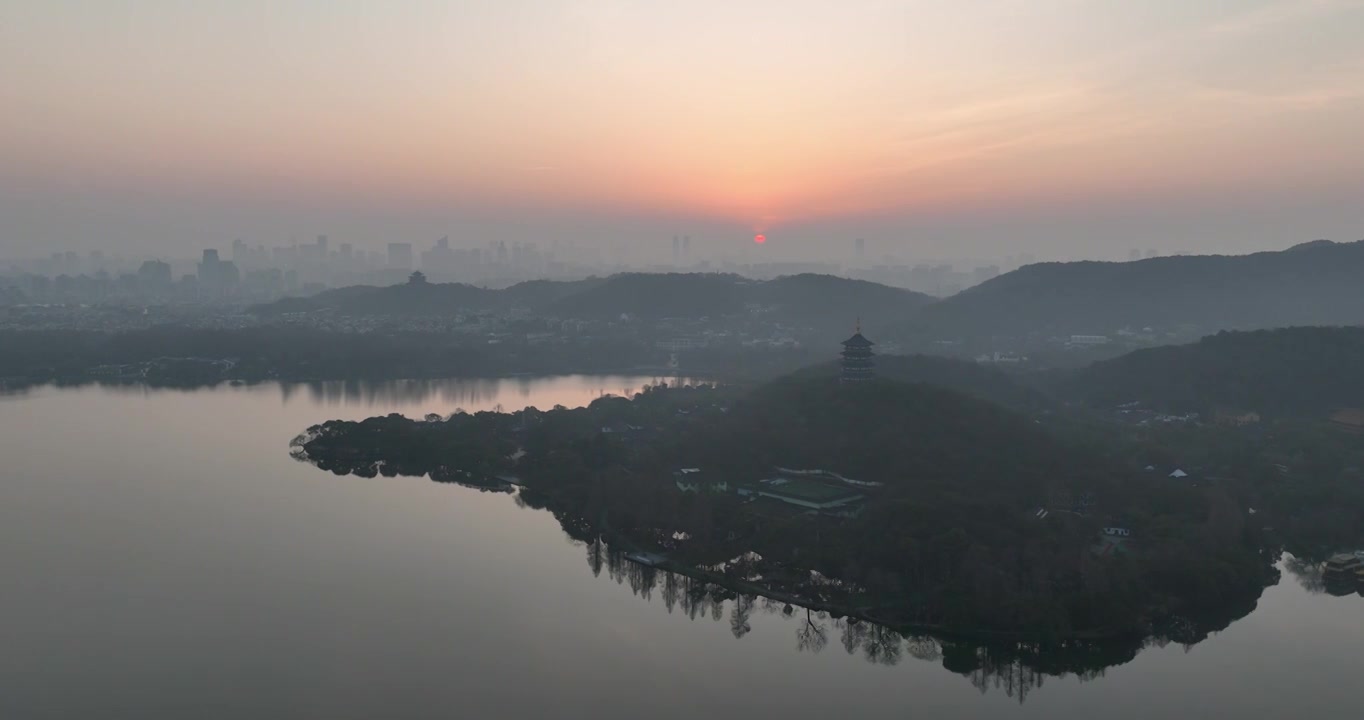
<point>164,556</point>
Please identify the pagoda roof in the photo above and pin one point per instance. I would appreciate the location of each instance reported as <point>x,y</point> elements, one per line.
<point>857,341</point>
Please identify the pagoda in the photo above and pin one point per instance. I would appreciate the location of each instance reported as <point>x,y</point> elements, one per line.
<point>857,357</point>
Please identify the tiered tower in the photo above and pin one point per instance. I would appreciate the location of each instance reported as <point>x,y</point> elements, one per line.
<point>857,357</point>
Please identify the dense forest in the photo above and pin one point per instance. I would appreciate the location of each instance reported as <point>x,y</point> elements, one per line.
<point>949,539</point>
<point>809,300</point>
<point>1302,371</point>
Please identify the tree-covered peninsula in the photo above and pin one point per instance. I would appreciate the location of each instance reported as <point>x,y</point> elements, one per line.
<point>904,503</point>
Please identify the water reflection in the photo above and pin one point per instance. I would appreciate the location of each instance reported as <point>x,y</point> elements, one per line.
<point>508,393</point>
<point>1015,668</point>
<point>1311,576</point>
<point>462,392</point>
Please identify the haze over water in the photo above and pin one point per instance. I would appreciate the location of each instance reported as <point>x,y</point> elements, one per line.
<point>164,555</point>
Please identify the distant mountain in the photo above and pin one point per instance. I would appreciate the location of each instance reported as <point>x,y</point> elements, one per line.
<point>1293,371</point>
<point>405,299</point>
<point>650,295</point>
<point>800,299</point>
<point>824,300</point>
<point>1316,283</point>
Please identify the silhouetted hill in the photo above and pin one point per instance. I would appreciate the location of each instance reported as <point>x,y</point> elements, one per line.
<point>1317,283</point>
<point>800,299</point>
<point>539,294</point>
<point>829,300</point>
<point>650,295</point>
<point>404,299</point>
<point>803,299</point>
<point>1292,371</point>
<point>904,434</point>
<point>963,376</point>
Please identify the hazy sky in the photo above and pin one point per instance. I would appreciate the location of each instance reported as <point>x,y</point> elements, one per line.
<point>1059,127</point>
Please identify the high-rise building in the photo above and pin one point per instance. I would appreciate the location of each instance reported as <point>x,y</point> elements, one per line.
<point>400,256</point>
<point>217,277</point>
<point>154,276</point>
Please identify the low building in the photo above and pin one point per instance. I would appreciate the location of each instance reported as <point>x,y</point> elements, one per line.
<point>802,492</point>
<point>1344,565</point>
<point>827,476</point>
<point>1235,418</point>
<point>1087,340</point>
<point>693,480</point>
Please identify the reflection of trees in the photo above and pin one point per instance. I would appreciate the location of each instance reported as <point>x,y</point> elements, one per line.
<point>738,616</point>
<point>671,591</point>
<point>1014,668</point>
<point>596,555</point>
<point>1307,573</point>
<point>878,643</point>
<point>811,635</point>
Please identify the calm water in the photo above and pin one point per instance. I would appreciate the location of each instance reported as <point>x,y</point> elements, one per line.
<point>162,556</point>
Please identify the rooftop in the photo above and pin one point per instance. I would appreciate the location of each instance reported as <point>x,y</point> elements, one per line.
<point>807,490</point>
<point>858,340</point>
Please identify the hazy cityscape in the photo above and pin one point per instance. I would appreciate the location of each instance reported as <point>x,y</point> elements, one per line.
<point>244,273</point>
<point>599,359</point>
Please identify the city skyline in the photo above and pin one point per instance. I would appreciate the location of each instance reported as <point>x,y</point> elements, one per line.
<point>1054,127</point>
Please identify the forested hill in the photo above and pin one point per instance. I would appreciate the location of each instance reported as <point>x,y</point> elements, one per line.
<point>405,299</point>
<point>1317,283</point>
<point>807,299</point>
<point>913,437</point>
<point>1309,371</point>
<point>963,376</point>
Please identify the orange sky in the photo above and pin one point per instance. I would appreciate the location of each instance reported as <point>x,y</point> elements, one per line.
<point>764,115</point>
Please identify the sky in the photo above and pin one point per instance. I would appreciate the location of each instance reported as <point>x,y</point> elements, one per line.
<point>1061,128</point>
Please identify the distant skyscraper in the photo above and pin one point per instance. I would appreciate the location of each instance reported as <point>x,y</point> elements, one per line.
<point>215,276</point>
<point>400,256</point>
<point>686,246</point>
<point>154,276</point>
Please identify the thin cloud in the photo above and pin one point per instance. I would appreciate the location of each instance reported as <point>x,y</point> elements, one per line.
<point>1270,16</point>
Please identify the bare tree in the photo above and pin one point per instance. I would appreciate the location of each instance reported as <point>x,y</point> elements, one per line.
<point>811,635</point>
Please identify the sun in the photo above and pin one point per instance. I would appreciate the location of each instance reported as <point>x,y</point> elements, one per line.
<point>760,238</point>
